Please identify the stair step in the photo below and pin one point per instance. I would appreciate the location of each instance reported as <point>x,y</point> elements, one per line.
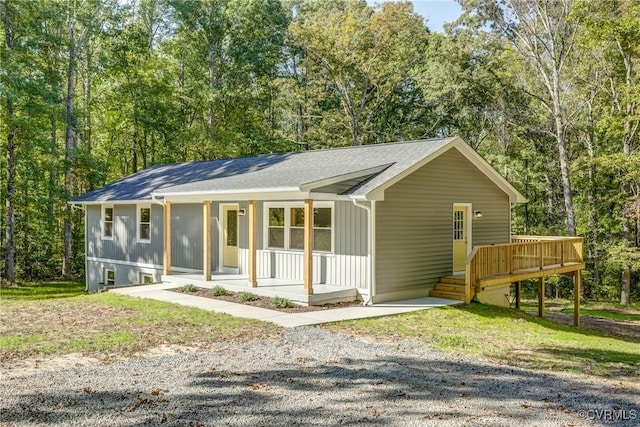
<point>452,279</point>
<point>448,295</point>
<point>449,287</point>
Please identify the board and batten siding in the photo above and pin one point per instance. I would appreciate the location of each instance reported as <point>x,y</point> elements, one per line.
<point>129,257</point>
<point>414,226</point>
<point>124,246</point>
<point>346,266</point>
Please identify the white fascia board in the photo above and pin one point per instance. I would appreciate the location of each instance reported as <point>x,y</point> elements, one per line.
<point>344,177</point>
<point>112,202</point>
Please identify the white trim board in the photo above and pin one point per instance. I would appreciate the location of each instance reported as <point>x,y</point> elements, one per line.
<point>140,264</point>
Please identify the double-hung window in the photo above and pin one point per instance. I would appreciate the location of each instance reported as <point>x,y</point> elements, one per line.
<point>107,222</point>
<point>286,226</point>
<point>144,223</point>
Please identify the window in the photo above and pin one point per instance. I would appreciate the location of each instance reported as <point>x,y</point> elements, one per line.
<point>276,228</point>
<point>286,227</point>
<point>144,223</point>
<point>296,230</point>
<point>110,277</point>
<point>322,229</point>
<point>458,225</point>
<point>146,278</point>
<point>107,222</point>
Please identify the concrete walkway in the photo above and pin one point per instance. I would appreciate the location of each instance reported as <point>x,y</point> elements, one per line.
<point>288,320</point>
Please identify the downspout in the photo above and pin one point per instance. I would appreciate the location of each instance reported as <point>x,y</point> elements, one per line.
<point>371,245</point>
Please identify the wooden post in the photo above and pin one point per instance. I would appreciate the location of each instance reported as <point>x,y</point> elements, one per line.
<point>541,297</point>
<point>308,247</point>
<point>541,255</point>
<point>206,244</point>
<point>518,293</point>
<point>167,239</point>
<point>253,281</point>
<point>576,299</point>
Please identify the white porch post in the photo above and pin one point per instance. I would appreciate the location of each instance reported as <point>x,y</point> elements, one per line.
<point>206,244</point>
<point>167,239</point>
<point>308,247</point>
<point>253,281</point>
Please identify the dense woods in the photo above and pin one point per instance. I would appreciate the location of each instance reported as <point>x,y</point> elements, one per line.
<point>548,91</point>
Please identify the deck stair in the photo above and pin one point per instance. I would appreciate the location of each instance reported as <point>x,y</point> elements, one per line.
<point>450,287</point>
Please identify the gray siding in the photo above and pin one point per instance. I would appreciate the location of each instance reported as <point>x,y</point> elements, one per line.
<point>124,245</point>
<point>414,242</point>
<point>125,274</point>
<point>186,236</point>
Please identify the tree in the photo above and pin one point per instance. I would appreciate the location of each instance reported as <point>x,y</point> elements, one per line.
<point>543,35</point>
<point>361,54</point>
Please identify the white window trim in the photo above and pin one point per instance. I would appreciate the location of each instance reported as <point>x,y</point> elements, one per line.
<point>102,221</point>
<point>143,275</point>
<point>287,224</point>
<point>138,222</point>
<point>106,276</point>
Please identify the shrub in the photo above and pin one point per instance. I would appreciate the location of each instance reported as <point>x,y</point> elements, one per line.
<point>280,302</point>
<point>219,291</point>
<point>189,288</point>
<point>247,296</point>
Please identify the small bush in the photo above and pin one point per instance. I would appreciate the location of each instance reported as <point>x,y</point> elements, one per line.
<point>247,296</point>
<point>189,288</point>
<point>280,302</point>
<point>219,291</point>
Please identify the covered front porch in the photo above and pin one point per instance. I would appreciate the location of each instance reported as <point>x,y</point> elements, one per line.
<point>269,287</point>
<point>300,275</point>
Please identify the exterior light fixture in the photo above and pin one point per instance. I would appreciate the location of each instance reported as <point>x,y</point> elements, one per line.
<point>477,214</point>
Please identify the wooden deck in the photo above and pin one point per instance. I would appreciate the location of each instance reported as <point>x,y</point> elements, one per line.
<point>526,257</point>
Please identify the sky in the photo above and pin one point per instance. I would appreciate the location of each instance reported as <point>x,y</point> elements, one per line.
<point>436,12</point>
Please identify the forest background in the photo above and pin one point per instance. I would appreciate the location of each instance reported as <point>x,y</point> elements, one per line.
<point>547,91</point>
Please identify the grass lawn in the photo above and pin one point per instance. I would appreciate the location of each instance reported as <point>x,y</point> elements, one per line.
<point>106,325</point>
<point>507,336</point>
<point>42,290</point>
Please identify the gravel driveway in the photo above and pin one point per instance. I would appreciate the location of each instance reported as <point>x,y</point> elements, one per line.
<point>310,376</point>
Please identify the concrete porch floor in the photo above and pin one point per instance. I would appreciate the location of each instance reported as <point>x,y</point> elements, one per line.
<point>268,287</point>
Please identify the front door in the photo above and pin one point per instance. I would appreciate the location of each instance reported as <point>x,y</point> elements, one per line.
<point>461,237</point>
<point>230,236</point>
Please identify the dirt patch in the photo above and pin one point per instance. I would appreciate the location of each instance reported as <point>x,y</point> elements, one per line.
<point>65,332</point>
<point>625,329</point>
<point>264,302</point>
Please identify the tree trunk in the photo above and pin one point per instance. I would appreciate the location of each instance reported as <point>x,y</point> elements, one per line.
<point>10,223</point>
<point>70,147</point>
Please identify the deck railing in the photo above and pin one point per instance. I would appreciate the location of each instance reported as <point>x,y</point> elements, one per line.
<point>523,254</point>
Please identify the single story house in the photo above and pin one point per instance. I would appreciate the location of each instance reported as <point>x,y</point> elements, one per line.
<point>384,221</point>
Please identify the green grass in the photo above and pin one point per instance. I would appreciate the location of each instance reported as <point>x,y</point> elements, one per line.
<point>507,336</point>
<point>109,324</point>
<point>42,290</point>
<point>607,314</point>
<point>605,310</point>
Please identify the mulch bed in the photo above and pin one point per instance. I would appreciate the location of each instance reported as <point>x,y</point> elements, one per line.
<point>265,302</point>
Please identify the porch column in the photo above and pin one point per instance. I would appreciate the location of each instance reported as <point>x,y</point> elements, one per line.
<point>541,297</point>
<point>253,281</point>
<point>167,239</point>
<point>308,247</point>
<point>206,244</point>
<point>576,299</point>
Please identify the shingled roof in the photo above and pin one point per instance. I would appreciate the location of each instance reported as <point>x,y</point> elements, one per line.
<point>356,172</point>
